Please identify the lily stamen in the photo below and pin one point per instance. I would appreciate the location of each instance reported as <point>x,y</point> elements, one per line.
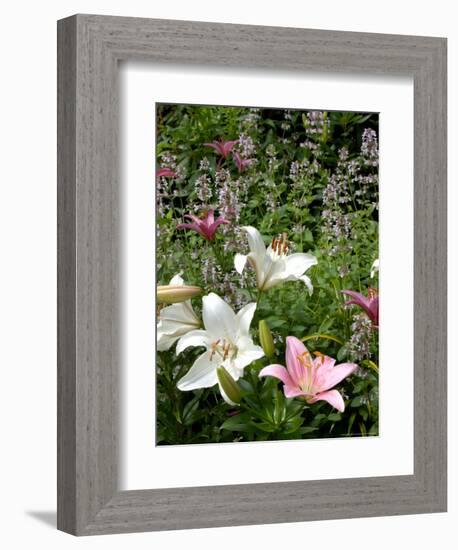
<point>279,245</point>
<point>305,359</point>
<point>214,348</point>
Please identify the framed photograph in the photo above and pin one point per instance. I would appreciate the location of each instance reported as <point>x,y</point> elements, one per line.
<point>251,275</point>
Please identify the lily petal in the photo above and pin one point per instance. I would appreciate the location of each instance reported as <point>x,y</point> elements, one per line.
<point>292,391</point>
<point>179,313</point>
<point>239,262</point>
<point>177,280</point>
<point>294,349</point>
<point>233,369</point>
<point>277,371</point>
<point>215,145</point>
<point>358,299</point>
<point>165,341</point>
<point>244,318</point>
<point>297,264</point>
<point>209,217</point>
<point>218,316</point>
<point>195,227</point>
<point>255,242</point>
<point>248,355</point>
<point>307,282</point>
<point>214,225</point>
<point>174,328</point>
<point>224,395</point>
<point>333,397</point>
<point>194,218</point>
<point>337,374</point>
<point>273,271</point>
<point>201,375</point>
<point>194,338</point>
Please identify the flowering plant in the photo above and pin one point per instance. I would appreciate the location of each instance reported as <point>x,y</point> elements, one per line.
<point>267,270</point>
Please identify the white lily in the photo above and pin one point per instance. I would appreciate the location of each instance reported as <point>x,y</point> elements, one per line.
<point>375,268</point>
<point>274,265</point>
<point>175,321</point>
<point>226,337</point>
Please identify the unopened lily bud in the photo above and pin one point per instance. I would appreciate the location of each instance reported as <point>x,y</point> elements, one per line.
<point>228,386</point>
<point>265,337</point>
<point>172,294</point>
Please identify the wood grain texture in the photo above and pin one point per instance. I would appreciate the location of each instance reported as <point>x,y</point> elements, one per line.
<point>90,48</point>
<point>66,275</point>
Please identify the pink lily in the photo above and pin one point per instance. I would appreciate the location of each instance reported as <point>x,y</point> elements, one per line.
<point>205,226</point>
<point>240,162</point>
<point>222,147</point>
<point>166,173</point>
<point>368,303</point>
<point>308,377</point>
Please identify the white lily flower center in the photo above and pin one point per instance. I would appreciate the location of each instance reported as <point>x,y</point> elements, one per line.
<point>279,247</point>
<point>224,348</point>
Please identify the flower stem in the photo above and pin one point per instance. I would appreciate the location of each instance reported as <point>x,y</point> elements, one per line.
<point>216,253</point>
<point>259,298</point>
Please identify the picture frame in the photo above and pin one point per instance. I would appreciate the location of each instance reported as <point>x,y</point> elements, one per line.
<point>89,50</point>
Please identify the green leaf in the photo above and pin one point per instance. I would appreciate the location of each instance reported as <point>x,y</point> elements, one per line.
<point>275,323</point>
<point>189,410</point>
<point>264,426</point>
<point>357,401</point>
<point>238,423</point>
<point>307,235</point>
<point>342,353</point>
<point>350,423</point>
<point>293,425</point>
<point>374,429</point>
<point>308,429</point>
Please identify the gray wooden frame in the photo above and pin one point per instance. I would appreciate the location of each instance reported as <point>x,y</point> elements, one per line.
<point>89,48</point>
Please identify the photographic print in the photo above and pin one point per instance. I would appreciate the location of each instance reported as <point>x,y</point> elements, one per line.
<point>267,274</point>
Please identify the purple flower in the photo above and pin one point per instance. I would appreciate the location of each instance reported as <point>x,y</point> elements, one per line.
<point>222,147</point>
<point>369,147</point>
<point>240,162</point>
<point>166,173</point>
<point>368,303</point>
<point>205,226</point>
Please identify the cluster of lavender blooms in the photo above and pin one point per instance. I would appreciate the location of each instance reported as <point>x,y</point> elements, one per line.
<point>203,184</point>
<point>369,147</point>
<point>246,146</point>
<point>317,123</point>
<point>223,283</point>
<point>226,194</point>
<point>337,221</point>
<point>167,186</point>
<point>286,125</point>
<point>359,344</point>
<point>362,170</point>
<point>303,170</point>
<point>251,120</point>
<point>268,183</point>
<point>350,186</point>
<point>230,194</point>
